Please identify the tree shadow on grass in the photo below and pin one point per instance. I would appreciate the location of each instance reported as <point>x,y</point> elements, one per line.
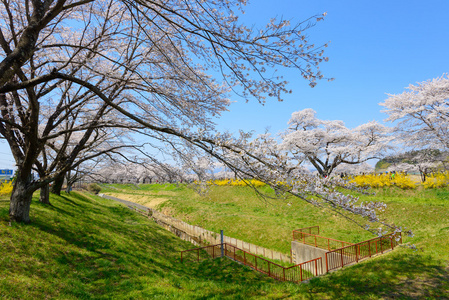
<point>126,248</point>
<point>398,275</point>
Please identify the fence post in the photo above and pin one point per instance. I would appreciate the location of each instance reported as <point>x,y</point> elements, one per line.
<point>392,247</point>
<point>221,235</point>
<point>341,254</point>
<point>315,240</point>
<point>381,250</point>
<point>269,271</point>
<point>316,268</point>
<point>300,272</point>
<point>369,249</point>
<point>284,273</point>
<point>327,267</point>
<point>357,253</point>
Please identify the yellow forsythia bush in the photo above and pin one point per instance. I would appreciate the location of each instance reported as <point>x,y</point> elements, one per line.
<point>380,180</point>
<point>372,180</point>
<point>6,188</point>
<point>404,182</point>
<point>237,182</point>
<point>437,180</point>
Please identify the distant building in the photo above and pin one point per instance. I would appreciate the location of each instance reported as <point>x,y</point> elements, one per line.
<point>6,174</point>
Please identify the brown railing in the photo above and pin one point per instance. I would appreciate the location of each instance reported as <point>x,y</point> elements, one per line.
<point>310,230</point>
<point>354,253</point>
<point>201,253</point>
<point>297,273</point>
<point>318,241</point>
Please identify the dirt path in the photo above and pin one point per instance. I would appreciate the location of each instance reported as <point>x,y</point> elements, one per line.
<point>148,200</point>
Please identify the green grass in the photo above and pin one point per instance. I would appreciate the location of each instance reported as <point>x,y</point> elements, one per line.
<point>86,247</point>
<point>402,273</point>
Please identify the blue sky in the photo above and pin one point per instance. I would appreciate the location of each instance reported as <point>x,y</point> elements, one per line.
<point>376,47</point>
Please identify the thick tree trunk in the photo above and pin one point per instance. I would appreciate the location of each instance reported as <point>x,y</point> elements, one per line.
<point>19,206</point>
<point>57,185</point>
<point>45,194</point>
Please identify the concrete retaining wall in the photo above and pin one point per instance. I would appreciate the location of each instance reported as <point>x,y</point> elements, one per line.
<point>198,235</point>
<point>302,253</point>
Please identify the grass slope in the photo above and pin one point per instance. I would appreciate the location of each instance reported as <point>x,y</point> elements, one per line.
<point>85,247</point>
<point>404,273</point>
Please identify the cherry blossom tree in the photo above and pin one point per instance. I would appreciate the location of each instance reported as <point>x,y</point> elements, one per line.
<point>328,144</point>
<point>148,62</point>
<point>421,114</point>
<point>145,59</point>
<point>354,169</point>
<point>424,162</point>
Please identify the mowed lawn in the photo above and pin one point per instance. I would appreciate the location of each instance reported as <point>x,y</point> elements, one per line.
<point>241,213</point>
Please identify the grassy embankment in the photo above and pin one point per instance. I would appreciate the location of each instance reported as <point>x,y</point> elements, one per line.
<point>241,214</point>
<point>85,247</point>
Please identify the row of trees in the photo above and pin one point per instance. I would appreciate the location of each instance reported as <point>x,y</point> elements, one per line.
<point>421,122</point>
<point>79,79</point>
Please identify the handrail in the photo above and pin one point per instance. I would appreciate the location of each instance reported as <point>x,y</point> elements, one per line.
<point>316,238</point>
<point>296,273</point>
<point>338,258</point>
<point>309,229</point>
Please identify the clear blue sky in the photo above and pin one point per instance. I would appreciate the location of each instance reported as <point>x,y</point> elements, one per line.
<point>376,47</point>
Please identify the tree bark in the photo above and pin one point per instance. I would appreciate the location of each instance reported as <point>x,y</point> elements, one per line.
<point>19,206</point>
<point>45,194</point>
<point>57,185</point>
<point>69,188</point>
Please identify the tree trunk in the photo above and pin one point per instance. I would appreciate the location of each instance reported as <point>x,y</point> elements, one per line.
<point>57,185</point>
<point>19,206</point>
<point>45,194</point>
<point>69,188</point>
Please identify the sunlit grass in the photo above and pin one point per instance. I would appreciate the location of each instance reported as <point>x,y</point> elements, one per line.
<point>86,247</point>
<point>421,273</point>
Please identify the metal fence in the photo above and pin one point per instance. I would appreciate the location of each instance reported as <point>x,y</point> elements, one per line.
<point>297,273</point>
<point>201,253</point>
<point>354,253</point>
<point>309,230</point>
<point>318,241</point>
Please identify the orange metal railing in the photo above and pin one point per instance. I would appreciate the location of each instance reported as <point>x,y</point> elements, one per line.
<point>339,254</point>
<point>310,230</point>
<point>297,273</point>
<point>318,241</point>
<point>339,258</point>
